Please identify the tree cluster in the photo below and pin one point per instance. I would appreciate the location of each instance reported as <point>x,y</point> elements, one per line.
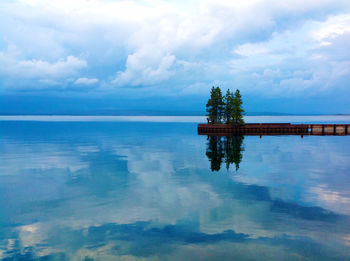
<point>225,109</point>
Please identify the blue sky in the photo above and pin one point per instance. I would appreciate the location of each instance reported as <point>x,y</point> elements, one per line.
<point>288,56</point>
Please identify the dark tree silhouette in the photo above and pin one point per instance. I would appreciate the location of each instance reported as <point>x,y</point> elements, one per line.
<point>225,109</point>
<point>237,110</point>
<point>215,152</point>
<point>233,150</point>
<point>215,106</point>
<point>227,148</point>
<point>229,106</point>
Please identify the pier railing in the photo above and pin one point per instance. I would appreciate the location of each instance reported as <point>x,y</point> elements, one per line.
<point>274,129</point>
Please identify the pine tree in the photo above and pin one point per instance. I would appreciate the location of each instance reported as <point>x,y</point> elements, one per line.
<point>228,110</point>
<point>215,106</point>
<point>237,112</point>
<point>220,104</point>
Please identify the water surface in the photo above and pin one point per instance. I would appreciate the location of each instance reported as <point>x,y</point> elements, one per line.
<point>147,190</point>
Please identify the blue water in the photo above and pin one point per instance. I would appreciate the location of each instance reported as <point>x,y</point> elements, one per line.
<point>115,190</point>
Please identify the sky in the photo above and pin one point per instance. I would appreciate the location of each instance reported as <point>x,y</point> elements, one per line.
<point>162,57</point>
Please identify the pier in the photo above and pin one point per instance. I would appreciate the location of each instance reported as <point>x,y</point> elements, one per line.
<point>274,129</point>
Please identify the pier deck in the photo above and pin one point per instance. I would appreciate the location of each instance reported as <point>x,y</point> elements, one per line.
<point>274,129</point>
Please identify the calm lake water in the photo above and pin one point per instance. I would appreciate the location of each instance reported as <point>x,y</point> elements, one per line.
<point>152,189</point>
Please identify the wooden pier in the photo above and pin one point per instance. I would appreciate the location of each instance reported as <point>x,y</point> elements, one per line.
<point>274,129</point>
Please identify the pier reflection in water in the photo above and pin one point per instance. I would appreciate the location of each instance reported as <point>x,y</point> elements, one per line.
<point>224,149</point>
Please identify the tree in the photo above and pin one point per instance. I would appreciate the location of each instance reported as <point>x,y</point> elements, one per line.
<point>228,110</point>
<point>237,112</point>
<point>215,106</point>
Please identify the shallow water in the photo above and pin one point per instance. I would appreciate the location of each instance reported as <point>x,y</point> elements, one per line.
<point>107,190</point>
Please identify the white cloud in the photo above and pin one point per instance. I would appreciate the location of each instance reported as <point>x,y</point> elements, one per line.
<point>296,62</point>
<point>145,67</point>
<point>40,68</point>
<point>49,73</point>
<point>149,43</point>
<point>37,73</point>
<point>332,28</point>
<point>250,49</point>
<point>86,81</point>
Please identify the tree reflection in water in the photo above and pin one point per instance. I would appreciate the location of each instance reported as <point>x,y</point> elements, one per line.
<point>228,149</point>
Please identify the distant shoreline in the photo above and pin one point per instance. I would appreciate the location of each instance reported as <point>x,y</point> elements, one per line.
<point>190,119</point>
<point>164,115</point>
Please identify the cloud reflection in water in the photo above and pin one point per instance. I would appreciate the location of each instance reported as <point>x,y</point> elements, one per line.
<point>141,193</point>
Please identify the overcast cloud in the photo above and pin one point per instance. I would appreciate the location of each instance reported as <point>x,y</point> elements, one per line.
<point>290,48</point>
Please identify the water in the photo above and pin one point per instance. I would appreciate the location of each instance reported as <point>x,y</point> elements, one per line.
<point>193,119</point>
<point>117,190</point>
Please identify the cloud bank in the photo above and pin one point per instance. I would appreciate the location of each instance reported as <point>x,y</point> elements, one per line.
<point>268,47</point>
